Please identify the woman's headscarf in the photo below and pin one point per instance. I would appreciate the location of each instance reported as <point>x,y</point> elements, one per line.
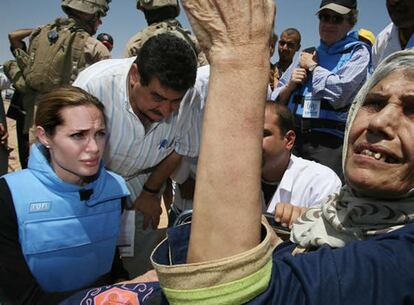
<point>347,216</point>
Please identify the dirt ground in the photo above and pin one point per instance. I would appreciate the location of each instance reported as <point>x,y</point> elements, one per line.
<point>14,163</point>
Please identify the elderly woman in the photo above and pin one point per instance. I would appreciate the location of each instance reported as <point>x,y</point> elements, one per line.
<point>60,218</point>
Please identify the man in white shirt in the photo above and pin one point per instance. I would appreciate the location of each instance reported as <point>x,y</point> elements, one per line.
<point>287,179</point>
<point>399,34</point>
<point>153,119</point>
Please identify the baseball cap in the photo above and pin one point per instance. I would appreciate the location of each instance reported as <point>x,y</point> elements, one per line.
<point>342,7</point>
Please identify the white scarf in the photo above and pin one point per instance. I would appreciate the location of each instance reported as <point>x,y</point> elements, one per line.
<point>345,217</point>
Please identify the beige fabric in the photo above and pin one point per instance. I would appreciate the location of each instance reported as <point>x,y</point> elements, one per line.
<point>212,273</point>
<point>95,51</point>
<point>13,72</point>
<point>135,42</point>
<point>156,4</point>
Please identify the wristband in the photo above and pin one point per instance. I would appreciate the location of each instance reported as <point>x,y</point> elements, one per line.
<point>149,190</point>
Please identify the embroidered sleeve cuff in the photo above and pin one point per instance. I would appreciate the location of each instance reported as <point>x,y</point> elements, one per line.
<point>237,279</point>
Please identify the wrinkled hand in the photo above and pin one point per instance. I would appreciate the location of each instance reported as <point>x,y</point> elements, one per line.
<point>287,213</point>
<point>308,59</point>
<point>150,206</point>
<point>150,276</point>
<point>225,27</point>
<point>4,135</point>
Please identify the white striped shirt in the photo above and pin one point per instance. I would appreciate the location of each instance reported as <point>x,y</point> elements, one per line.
<point>129,150</point>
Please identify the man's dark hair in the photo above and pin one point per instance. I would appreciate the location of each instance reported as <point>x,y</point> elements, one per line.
<point>160,14</point>
<point>353,16</point>
<point>285,117</point>
<point>168,58</point>
<point>291,31</point>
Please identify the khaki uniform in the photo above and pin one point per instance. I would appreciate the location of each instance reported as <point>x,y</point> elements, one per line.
<point>94,51</point>
<point>135,42</point>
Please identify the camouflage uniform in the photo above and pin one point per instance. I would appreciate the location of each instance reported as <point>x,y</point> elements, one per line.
<point>94,51</point>
<point>135,42</point>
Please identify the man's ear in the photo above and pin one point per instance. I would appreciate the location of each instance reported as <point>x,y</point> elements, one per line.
<point>290,138</point>
<point>133,75</point>
<point>42,136</point>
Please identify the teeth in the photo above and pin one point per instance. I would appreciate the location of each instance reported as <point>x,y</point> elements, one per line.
<point>378,156</point>
<point>375,155</point>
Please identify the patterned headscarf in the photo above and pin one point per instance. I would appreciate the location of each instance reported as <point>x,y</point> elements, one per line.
<point>348,216</point>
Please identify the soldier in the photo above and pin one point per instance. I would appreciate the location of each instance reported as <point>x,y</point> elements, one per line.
<point>46,63</point>
<point>160,16</point>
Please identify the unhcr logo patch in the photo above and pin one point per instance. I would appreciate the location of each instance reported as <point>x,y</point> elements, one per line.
<point>39,207</point>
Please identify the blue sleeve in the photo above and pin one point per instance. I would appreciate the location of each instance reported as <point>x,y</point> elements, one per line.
<point>377,271</point>
<point>340,87</point>
<point>284,79</point>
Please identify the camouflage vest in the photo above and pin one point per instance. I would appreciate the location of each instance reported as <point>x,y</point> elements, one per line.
<point>135,44</point>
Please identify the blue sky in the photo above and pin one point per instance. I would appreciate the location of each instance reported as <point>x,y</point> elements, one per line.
<point>124,20</point>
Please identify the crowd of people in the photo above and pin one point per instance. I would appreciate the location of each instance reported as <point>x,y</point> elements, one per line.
<point>319,142</point>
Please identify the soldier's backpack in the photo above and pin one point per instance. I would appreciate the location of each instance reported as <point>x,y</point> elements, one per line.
<point>55,55</point>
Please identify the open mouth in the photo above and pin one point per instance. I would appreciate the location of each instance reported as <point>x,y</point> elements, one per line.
<point>379,156</point>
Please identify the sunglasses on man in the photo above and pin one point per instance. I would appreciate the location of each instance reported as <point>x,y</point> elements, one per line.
<point>333,19</point>
<point>290,45</point>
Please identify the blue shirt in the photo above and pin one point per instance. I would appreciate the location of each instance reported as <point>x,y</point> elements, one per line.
<point>338,88</point>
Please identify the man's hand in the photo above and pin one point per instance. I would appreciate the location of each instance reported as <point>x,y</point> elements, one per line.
<point>150,206</point>
<point>187,189</point>
<point>287,213</point>
<point>4,135</point>
<point>298,78</point>
<point>308,60</point>
<point>225,27</point>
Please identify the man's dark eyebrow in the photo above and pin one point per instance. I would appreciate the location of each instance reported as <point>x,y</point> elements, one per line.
<point>156,94</point>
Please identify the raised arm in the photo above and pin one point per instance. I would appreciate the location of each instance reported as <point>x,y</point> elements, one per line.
<point>235,36</point>
<point>16,38</point>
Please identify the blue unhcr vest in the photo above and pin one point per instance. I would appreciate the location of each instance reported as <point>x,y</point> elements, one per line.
<point>328,119</point>
<point>68,243</point>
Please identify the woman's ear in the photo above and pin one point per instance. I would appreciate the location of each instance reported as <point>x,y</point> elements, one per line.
<point>42,136</point>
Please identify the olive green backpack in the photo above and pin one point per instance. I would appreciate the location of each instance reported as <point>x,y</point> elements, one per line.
<point>55,55</point>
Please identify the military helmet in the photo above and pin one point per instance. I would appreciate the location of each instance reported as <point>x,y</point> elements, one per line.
<point>106,40</point>
<point>105,37</point>
<point>87,6</point>
<point>156,4</point>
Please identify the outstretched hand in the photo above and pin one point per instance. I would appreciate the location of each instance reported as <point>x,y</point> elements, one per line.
<point>287,213</point>
<point>225,27</point>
